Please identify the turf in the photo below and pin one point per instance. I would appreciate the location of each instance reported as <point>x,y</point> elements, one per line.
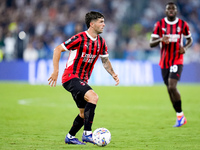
<point>37,117</point>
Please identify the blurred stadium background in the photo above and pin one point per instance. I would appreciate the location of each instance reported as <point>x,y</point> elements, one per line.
<point>31,29</point>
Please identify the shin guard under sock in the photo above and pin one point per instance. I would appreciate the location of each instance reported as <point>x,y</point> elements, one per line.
<point>89,116</point>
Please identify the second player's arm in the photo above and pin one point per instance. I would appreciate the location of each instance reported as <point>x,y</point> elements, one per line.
<point>155,41</point>
<point>107,65</point>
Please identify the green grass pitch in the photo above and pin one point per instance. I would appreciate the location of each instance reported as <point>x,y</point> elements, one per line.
<point>37,117</point>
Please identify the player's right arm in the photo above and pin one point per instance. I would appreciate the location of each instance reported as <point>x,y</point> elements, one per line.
<point>157,37</point>
<point>56,58</point>
<point>155,41</point>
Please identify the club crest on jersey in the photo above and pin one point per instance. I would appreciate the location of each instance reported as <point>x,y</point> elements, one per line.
<point>98,48</point>
<point>82,83</point>
<point>178,29</point>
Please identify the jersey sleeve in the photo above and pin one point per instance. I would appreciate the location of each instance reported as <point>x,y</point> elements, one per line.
<point>156,31</point>
<point>186,30</point>
<point>71,44</point>
<point>104,50</point>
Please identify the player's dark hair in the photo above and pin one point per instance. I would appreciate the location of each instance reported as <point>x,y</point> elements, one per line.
<point>92,15</point>
<point>170,3</point>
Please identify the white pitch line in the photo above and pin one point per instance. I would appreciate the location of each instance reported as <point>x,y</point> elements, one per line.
<point>36,102</point>
<point>24,101</point>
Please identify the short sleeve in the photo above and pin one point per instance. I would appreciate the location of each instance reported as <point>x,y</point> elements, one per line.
<point>186,30</point>
<point>156,30</point>
<point>72,43</point>
<point>104,50</point>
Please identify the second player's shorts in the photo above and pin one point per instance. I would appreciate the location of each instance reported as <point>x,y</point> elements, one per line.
<point>173,72</point>
<point>77,88</point>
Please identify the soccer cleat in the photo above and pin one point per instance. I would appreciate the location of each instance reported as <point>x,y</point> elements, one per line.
<point>180,121</point>
<point>73,141</point>
<point>87,138</point>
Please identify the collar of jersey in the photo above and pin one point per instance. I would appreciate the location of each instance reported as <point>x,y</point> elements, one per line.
<point>93,39</point>
<point>171,22</point>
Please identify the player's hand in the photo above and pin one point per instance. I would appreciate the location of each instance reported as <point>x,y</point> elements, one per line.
<point>115,77</point>
<point>165,39</point>
<point>182,50</point>
<point>53,79</point>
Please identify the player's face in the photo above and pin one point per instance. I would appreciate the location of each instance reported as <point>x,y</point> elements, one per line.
<point>171,11</point>
<point>99,25</point>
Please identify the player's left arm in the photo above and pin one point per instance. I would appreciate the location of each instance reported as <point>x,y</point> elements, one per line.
<point>107,65</point>
<point>188,36</point>
<point>189,42</point>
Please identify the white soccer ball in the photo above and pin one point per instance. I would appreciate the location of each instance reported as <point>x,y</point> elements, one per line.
<point>101,136</point>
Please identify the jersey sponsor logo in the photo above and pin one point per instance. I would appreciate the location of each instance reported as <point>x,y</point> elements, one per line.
<point>173,37</point>
<point>88,57</point>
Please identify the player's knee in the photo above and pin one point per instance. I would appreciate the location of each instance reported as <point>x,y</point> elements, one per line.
<point>96,98</point>
<point>81,115</point>
<point>91,97</point>
<point>171,88</point>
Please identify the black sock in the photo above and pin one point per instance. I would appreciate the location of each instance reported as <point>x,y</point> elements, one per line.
<point>89,116</point>
<point>77,124</point>
<point>177,106</point>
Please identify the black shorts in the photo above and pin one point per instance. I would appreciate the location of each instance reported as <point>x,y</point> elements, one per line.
<point>77,88</point>
<point>173,72</point>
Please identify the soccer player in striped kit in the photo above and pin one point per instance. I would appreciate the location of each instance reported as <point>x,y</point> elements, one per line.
<point>85,48</point>
<point>169,33</point>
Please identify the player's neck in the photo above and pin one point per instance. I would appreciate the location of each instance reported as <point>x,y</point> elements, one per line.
<point>171,18</point>
<point>92,33</point>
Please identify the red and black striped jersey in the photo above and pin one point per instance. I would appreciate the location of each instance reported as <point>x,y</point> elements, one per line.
<point>175,30</point>
<point>84,52</point>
